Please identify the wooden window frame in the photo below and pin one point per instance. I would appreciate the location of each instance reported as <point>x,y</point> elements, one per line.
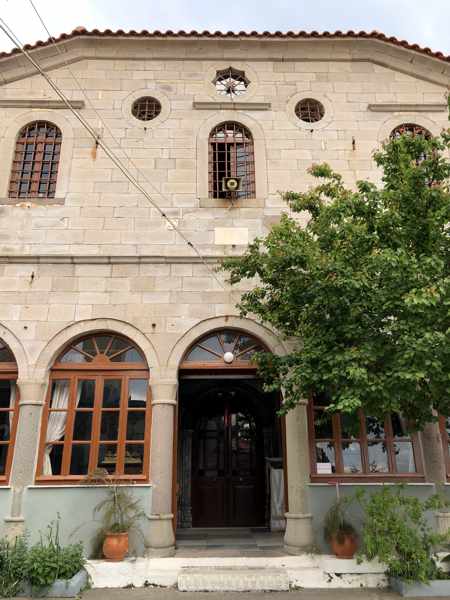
<point>34,176</point>
<point>100,370</point>
<point>364,476</point>
<point>8,372</point>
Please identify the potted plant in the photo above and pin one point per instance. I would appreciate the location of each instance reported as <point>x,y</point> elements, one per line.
<point>119,512</point>
<point>396,532</point>
<point>338,531</point>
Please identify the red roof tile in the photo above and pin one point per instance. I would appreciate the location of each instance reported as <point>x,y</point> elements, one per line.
<point>108,33</point>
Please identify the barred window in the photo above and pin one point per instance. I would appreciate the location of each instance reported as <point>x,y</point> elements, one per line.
<point>35,164</point>
<point>146,108</point>
<point>410,129</point>
<point>309,110</point>
<point>231,154</point>
<point>97,414</point>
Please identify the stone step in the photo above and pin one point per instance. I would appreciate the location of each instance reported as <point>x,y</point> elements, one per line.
<point>232,579</point>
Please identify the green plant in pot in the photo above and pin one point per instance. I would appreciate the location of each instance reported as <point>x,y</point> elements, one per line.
<point>119,513</point>
<point>339,533</point>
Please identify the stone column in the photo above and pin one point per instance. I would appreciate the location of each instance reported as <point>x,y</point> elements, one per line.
<point>435,468</point>
<point>32,398</point>
<point>299,533</point>
<point>161,538</point>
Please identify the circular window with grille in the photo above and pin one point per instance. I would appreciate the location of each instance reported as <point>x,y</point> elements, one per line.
<point>309,110</point>
<point>146,108</point>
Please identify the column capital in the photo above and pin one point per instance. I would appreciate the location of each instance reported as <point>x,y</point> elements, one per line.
<point>32,391</point>
<point>164,391</point>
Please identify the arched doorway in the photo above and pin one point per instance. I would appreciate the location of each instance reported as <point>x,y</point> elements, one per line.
<point>229,434</point>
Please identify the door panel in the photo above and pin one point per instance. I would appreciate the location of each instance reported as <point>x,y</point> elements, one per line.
<point>227,473</point>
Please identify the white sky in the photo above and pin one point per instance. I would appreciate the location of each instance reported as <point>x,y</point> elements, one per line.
<point>425,22</point>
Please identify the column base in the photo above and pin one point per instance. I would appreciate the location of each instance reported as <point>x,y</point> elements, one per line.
<point>160,540</point>
<point>14,526</point>
<point>442,522</point>
<point>298,537</point>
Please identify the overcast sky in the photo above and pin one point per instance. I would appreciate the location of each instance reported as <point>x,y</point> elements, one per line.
<point>425,22</point>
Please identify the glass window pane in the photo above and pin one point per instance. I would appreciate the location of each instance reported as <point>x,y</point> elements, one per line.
<point>137,393</point>
<point>73,356</point>
<point>378,458</point>
<point>3,457</point>
<point>323,425</point>
<point>111,393</point>
<point>212,343</point>
<point>399,426</point>
<point>350,425</point>
<point>5,419</point>
<point>447,425</point>
<point>110,425</point>
<point>136,425</point>
<point>5,393</point>
<point>351,457</point>
<point>134,459</point>
<point>107,457</point>
<point>325,458</point>
<point>60,394</point>
<point>79,462</point>
<point>102,342</point>
<point>228,339</point>
<point>83,426</point>
<point>86,393</point>
<point>56,455</point>
<point>374,427</point>
<point>200,355</point>
<point>130,355</point>
<point>404,457</point>
<point>87,346</point>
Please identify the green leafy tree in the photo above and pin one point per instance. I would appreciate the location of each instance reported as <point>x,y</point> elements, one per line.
<point>363,289</point>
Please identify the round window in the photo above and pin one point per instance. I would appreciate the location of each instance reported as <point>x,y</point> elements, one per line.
<point>146,108</point>
<point>309,110</point>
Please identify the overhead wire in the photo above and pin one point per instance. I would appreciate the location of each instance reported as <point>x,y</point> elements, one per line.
<point>99,142</point>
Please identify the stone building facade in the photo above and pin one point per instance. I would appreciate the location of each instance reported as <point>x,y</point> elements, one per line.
<point>84,256</point>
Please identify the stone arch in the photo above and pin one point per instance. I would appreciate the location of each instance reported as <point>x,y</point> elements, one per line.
<point>63,337</point>
<point>259,149</point>
<point>17,349</point>
<point>392,122</point>
<point>10,134</point>
<point>269,339</point>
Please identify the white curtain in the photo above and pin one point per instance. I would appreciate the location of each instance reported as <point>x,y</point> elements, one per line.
<point>56,425</point>
<point>12,404</point>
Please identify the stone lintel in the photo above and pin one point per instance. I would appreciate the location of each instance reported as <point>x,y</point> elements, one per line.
<point>231,105</point>
<point>402,107</point>
<point>39,103</point>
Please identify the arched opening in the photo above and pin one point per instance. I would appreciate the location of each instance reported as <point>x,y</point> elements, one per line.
<point>230,462</point>
<point>97,412</point>
<point>9,402</point>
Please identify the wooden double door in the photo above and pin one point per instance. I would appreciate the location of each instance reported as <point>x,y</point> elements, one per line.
<point>227,463</point>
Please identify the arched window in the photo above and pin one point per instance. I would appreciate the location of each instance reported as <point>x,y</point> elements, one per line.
<point>227,348</point>
<point>35,164</point>
<point>410,129</point>
<point>8,409</point>
<point>97,414</point>
<point>231,154</point>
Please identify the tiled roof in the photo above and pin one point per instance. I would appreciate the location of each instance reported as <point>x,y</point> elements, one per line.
<point>108,33</point>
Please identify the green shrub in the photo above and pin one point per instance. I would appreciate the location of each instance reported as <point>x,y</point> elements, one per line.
<point>48,561</point>
<point>397,533</point>
<point>13,556</point>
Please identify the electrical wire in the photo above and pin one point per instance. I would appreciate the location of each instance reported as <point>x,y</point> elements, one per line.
<point>99,142</point>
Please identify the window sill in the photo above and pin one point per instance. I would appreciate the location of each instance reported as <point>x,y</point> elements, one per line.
<point>235,203</point>
<point>368,479</point>
<point>77,484</point>
<point>76,481</point>
<point>31,202</point>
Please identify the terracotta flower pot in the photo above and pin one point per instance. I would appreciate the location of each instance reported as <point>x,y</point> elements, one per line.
<point>345,545</point>
<point>115,546</point>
